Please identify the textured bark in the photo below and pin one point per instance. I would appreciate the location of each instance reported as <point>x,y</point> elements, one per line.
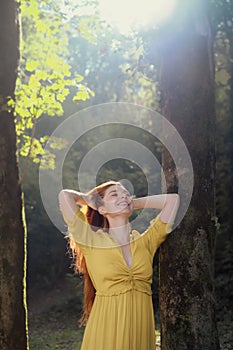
<point>13,320</point>
<point>187,300</point>
<point>229,178</point>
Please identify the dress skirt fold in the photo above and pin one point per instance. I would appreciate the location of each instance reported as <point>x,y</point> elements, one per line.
<point>116,324</point>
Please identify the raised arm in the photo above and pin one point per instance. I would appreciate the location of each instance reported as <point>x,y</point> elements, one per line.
<point>168,203</point>
<point>68,201</point>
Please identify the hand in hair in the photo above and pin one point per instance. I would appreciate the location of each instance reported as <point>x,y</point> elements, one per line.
<point>69,199</point>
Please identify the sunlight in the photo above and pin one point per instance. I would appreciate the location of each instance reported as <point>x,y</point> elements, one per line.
<point>130,14</point>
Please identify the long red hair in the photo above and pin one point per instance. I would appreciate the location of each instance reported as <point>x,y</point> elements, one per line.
<point>96,221</point>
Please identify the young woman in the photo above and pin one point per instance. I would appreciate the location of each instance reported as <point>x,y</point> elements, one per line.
<point>116,262</point>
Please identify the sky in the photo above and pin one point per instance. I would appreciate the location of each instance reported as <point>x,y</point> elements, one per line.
<point>125,14</point>
<point>130,13</point>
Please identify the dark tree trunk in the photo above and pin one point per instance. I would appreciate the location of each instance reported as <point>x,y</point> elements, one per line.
<point>229,134</point>
<point>13,321</point>
<point>187,301</point>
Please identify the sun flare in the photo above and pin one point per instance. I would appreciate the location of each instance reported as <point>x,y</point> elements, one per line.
<point>129,14</point>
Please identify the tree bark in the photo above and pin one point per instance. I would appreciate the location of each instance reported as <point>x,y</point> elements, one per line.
<point>187,301</point>
<point>13,321</point>
<point>229,150</point>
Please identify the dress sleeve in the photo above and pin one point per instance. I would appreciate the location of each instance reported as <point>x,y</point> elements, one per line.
<point>79,229</point>
<point>156,234</point>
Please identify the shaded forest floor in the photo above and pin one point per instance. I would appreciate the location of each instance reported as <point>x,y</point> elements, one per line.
<point>54,315</point>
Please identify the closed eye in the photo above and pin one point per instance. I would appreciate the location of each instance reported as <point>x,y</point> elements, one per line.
<point>115,193</point>
<point>127,194</point>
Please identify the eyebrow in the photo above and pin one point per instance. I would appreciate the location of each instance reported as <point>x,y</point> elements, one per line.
<point>112,191</point>
<point>123,190</point>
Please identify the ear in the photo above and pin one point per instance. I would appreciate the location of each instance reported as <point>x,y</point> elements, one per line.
<point>102,210</point>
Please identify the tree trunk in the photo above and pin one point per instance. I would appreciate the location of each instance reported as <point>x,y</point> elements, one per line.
<point>13,321</point>
<point>229,149</point>
<point>187,301</point>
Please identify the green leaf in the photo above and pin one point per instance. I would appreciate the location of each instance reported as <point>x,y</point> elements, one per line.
<point>78,78</point>
<point>81,95</point>
<point>31,65</point>
<point>57,143</point>
<point>47,161</point>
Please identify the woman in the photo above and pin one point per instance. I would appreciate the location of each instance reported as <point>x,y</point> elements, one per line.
<point>117,280</point>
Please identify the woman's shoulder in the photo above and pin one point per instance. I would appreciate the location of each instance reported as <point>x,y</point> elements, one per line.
<point>158,226</point>
<point>156,233</point>
<point>83,233</point>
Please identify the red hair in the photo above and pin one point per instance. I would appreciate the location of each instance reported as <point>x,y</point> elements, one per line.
<point>96,221</point>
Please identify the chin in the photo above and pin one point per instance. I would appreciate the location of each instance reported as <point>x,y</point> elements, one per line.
<point>127,212</point>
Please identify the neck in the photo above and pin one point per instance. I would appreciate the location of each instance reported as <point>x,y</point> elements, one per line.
<point>119,229</point>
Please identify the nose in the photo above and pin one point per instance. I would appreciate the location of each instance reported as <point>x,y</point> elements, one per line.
<point>125,197</point>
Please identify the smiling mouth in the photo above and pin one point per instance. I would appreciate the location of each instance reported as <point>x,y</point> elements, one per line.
<point>124,203</point>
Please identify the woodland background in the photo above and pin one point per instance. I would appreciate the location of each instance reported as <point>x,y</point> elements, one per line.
<point>70,62</point>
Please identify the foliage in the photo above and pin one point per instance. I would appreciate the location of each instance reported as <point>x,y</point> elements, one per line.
<point>50,50</point>
<point>45,76</point>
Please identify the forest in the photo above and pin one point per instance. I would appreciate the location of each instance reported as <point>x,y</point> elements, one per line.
<point>84,100</point>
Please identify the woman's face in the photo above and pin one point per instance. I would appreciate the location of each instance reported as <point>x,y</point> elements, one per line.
<point>117,200</point>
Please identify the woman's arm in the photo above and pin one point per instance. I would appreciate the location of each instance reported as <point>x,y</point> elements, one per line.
<point>169,203</point>
<point>68,200</point>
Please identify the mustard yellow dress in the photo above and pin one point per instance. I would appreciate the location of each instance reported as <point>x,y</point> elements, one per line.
<point>122,316</point>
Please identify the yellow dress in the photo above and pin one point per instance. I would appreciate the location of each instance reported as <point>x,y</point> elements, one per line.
<point>122,316</point>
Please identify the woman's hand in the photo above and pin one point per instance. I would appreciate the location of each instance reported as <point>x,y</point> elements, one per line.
<point>69,199</point>
<point>88,199</point>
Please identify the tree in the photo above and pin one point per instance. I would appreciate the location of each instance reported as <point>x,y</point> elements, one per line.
<point>186,259</point>
<point>223,19</point>
<point>13,323</point>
